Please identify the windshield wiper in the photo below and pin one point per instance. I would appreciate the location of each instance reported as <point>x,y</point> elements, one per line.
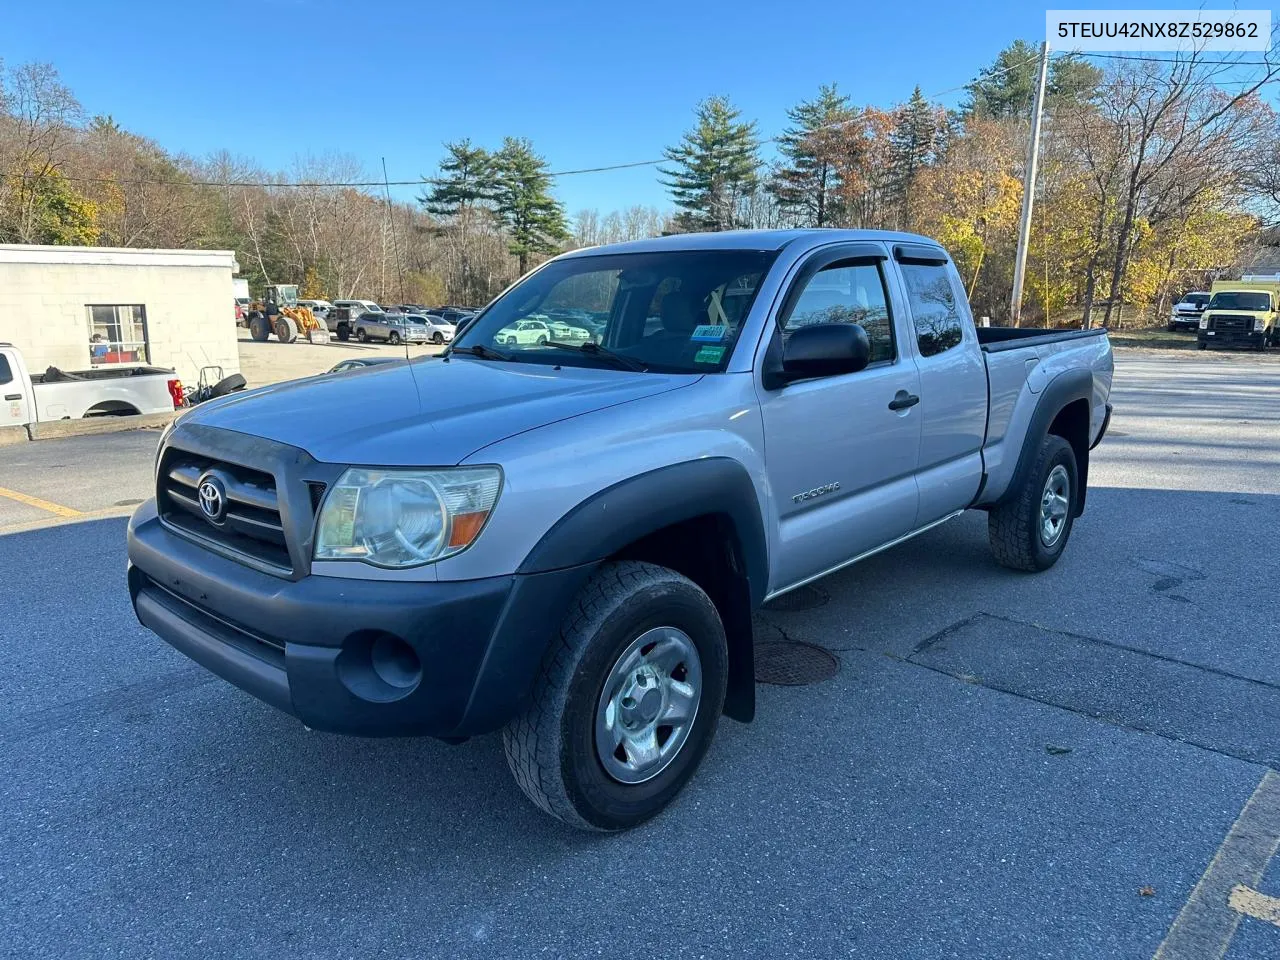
<point>593,349</point>
<point>481,351</point>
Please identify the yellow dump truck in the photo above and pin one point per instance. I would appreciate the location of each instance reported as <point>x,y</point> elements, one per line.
<point>1242,313</point>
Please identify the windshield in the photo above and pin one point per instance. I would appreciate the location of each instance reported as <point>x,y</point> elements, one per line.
<point>674,312</point>
<point>1240,300</point>
<point>1196,299</point>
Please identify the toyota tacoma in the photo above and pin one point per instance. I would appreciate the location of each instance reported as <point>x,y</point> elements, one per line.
<point>565,541</point>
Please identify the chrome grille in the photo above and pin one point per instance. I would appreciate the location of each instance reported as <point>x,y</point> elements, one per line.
<point>249,523</point>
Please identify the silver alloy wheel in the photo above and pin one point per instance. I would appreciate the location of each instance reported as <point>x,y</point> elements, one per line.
<point>648,705</point>
<point>1055,503</point>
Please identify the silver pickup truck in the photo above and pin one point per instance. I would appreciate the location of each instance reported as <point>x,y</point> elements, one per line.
<point>566,541</point>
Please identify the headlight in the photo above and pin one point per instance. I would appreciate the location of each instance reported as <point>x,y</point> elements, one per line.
<point>405,518</point>
<point>1204,323</point>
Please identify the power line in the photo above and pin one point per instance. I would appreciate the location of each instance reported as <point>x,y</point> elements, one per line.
<point>606,168</point>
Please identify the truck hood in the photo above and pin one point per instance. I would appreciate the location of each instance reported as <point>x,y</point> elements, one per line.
<point>431,412</point>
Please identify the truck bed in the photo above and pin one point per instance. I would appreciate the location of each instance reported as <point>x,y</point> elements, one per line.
<point>54,375</point>
<point>996,339</point>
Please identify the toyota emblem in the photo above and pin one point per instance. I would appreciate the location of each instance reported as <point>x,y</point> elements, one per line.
<point>213,499</point>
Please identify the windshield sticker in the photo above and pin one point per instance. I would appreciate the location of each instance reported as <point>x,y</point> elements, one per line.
<point>709,355</point>
<point>709,333</point>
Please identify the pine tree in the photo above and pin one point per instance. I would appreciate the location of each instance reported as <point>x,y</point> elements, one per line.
<point>714,167</point>
<point>1007,88</point>
<point>913,144</point>
<point>808,182</point>
<point>466,180</point>
<point>533,218</point>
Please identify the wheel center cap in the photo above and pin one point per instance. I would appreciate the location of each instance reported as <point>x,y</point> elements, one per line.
<point>649,704</point>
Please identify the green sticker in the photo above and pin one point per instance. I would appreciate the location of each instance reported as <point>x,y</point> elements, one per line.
<point>709,355</point>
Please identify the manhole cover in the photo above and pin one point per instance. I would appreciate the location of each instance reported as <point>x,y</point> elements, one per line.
<point>801,598</point>
<point>790,663</point>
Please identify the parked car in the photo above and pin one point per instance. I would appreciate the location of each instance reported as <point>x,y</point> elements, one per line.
<point>393,328</point>
<point>359,363</point>
<point>1237,316</point>
<point>320,308</point>
<point>568,544</point>
<point>454,315</point>
<point>358,306</point>
<point>438,331</point>
<point>108,390</point>
<point>1186,312</point>
<point>534,330</point>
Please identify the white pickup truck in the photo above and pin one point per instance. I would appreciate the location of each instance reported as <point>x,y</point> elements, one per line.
<point>27,398</point>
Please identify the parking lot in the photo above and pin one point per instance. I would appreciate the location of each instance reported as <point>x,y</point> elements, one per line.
<point>1064,765</point>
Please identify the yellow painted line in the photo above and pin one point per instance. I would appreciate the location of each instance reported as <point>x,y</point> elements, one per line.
<point>56,509</point>
<point>1204,927</point>
<point>1251,903</point>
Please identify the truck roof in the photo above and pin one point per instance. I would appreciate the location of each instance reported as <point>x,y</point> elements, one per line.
<point>750,240</point>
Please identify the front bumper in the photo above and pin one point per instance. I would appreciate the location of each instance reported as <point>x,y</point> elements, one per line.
<point>366,657</point>
<point>1230,338</point>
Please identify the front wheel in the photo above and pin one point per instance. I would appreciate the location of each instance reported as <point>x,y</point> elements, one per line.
<point>438,339</point>
<point>1030,530</point>
<point>393,338</point>
<point>627,701</point>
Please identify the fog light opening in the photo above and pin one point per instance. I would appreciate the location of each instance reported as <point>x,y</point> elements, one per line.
<point>395,662</point>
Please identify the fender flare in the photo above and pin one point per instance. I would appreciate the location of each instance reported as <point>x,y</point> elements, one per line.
<point>619,515</point>
<point>1066,388</point>
<point>628,511</point>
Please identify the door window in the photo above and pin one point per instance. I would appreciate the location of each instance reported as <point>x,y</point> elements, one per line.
<point>933,307</point>
<point>847,293</point>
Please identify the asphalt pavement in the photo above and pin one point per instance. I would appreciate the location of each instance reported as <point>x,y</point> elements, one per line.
<point>1004,765</point>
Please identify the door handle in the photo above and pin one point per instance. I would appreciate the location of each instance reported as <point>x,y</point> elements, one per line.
<point>13,396</point>
<point>902,400</point>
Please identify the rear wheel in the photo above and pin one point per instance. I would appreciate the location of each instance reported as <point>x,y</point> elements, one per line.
<point>344,333</point>
<point>1030,530</point>
<point>259,328</point>
<point>627,701</point>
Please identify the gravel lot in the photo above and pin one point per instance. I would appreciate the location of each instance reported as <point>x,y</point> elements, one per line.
<point>1003,766</point>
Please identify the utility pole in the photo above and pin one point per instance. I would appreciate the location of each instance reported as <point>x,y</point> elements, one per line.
<point>1029,189</point>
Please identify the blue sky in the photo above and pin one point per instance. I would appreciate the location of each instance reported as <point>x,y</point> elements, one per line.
<point>590,83</point>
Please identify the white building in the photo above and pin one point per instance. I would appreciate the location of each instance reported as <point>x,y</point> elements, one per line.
<point>78,307</point>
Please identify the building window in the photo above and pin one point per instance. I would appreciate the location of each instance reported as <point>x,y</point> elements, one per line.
<point>118,334</point>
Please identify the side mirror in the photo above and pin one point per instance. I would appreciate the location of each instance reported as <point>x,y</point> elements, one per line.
<point>818,350</point>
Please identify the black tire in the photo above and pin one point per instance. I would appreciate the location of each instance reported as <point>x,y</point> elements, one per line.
<point>1172,326</point>
<point>393,338</point>
<point>1202,346</point>
<point>286,330</point>
<point>438,339</point>
<point>227,385</point>
<point>344,333</point>
<point>542,340</point>
<point>259,328</point>
<point>511,341</point>
<point>361,335</point>
<point>1014,526</point>
<point>551,747</point>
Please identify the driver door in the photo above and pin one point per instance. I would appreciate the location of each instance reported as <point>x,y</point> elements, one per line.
<point>841,452</point>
